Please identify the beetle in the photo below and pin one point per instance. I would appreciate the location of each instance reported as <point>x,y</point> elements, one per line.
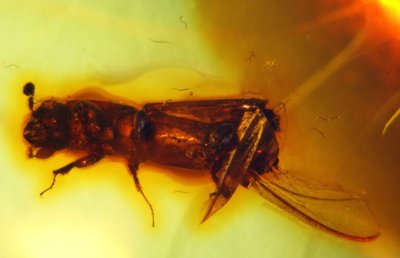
<point>234,139</point>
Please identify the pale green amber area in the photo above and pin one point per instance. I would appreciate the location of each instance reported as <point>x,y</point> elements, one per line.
<point>339,99</point>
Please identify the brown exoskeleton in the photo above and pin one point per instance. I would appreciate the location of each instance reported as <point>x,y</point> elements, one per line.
<point>235,139</point>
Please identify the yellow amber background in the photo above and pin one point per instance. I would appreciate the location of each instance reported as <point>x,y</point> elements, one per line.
<point>334,63</point>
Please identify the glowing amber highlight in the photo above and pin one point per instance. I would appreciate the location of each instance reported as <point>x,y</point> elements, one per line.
<point>393,6</point>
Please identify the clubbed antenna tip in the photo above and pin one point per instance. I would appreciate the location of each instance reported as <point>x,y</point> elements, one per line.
<point>29,89</point>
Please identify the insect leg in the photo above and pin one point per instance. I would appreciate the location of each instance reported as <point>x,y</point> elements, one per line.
<point>86,161</point>
<point>133,167</point>
<point>235,167</point>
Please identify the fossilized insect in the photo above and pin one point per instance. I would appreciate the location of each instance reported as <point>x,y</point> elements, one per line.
<point>235,139</point>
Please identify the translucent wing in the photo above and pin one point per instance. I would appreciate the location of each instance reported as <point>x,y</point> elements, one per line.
<point>324,207</point>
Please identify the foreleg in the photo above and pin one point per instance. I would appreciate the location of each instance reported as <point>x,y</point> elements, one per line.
<point>86,161</point>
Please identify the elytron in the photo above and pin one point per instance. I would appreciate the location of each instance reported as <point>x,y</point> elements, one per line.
<point>234,139</point>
